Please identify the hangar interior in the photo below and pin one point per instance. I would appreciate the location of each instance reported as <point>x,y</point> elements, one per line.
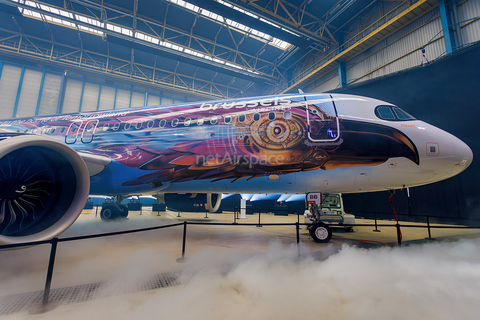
<point>69,56</point>
<point>75,56</point>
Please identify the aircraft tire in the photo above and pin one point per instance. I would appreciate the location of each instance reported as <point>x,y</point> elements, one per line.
<point>123,211</point>
<point>109,213</point>
<point>320,232</point>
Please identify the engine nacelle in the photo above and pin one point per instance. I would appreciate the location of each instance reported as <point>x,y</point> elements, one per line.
<point>44,185</point>
<point>191,202</point>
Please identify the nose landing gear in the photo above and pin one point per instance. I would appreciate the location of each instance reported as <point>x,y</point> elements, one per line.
<point>320,232</point>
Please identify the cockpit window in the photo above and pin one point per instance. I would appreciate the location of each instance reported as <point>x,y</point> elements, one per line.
<point>392,113</point>
<point>402,115</point>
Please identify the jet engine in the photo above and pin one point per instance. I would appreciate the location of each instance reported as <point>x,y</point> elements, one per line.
<point>191,202</point>
<point>44,185</point>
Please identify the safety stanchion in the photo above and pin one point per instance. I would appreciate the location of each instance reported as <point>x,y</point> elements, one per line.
<point>259,225</point>
<point>428,227</point>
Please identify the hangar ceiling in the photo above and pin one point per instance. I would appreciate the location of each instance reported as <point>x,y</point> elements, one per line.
<point>216,49</point>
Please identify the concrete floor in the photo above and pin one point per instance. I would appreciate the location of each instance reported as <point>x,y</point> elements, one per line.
<point>130,257</point>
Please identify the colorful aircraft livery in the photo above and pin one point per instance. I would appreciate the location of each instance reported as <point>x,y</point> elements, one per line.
<point>277,144</point>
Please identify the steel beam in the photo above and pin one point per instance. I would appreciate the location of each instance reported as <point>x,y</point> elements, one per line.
<point>267,72</point>
<point>342,74</point>
<point>365,39</point>
<point>101,64</point>
<point>19,90</point>
<point>292,19</point>
<point>448,35</point>
<point>40,93</point>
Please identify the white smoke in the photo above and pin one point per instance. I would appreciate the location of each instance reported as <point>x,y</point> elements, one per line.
<point>430,281</point>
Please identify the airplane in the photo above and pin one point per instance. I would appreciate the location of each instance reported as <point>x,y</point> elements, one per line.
<point>285,144</point>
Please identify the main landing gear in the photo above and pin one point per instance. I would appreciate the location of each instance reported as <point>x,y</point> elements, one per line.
<point>115,210</point>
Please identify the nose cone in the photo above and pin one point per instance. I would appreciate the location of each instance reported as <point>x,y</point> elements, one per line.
<point>463,157</point>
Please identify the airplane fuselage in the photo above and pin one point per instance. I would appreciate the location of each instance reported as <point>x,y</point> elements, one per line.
<point>277,144</point>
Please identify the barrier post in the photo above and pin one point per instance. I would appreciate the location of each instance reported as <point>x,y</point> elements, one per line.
<point>376,230</point>
<point>297,226</point>
<point>96,212</point>
<point>46,306</point>
<point>428,227</point>
<point>298,218</point>
<point>182,259</point>
<point>235,216</point>
<point>399,234</point>
<point>259,224</point>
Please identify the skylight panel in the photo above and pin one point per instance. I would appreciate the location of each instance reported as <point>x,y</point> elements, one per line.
<point>263,36</point>
<point>138,35</point>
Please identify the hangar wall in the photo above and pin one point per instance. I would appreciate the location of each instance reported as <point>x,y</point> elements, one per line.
<point>402,50</point>
<point>26,91</point>
<point>444,93</point>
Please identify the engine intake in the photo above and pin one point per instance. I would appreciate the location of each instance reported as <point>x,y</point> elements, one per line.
<point>44,185</point>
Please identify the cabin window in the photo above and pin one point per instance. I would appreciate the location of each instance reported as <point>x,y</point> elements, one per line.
<point>90,128</point>
<point>105,126</point>
<point>271,116</point>
<point>127,125</point>
<point>139,125</point>
<point>241,118</point>
<point>174,122</point>
<point>287,115</point>
<point>200,121</point>
<point>256,116</point>
<point>52,131</point>
<point>214,120</point>
<point>116,126</point>
<point>227,119</point>
<point>62,130</point>
<point>150,124</point>
<point>162,123</point>
<point>187,122</point>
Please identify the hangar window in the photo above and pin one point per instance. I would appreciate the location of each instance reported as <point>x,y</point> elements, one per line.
<point>150,124</point>
<point>187,122</point>
<point>139,125</point>
<point>127,125</point>
<point>214,120</point>
<point>116,126</point>
<point>287,115</point>
<point>241,118</point>
<point>392,113</point>
<point>174,122</point>
<point>256,116</point>
<point>163,122</point>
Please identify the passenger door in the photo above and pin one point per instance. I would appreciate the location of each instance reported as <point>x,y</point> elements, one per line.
<point>323,125</point>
